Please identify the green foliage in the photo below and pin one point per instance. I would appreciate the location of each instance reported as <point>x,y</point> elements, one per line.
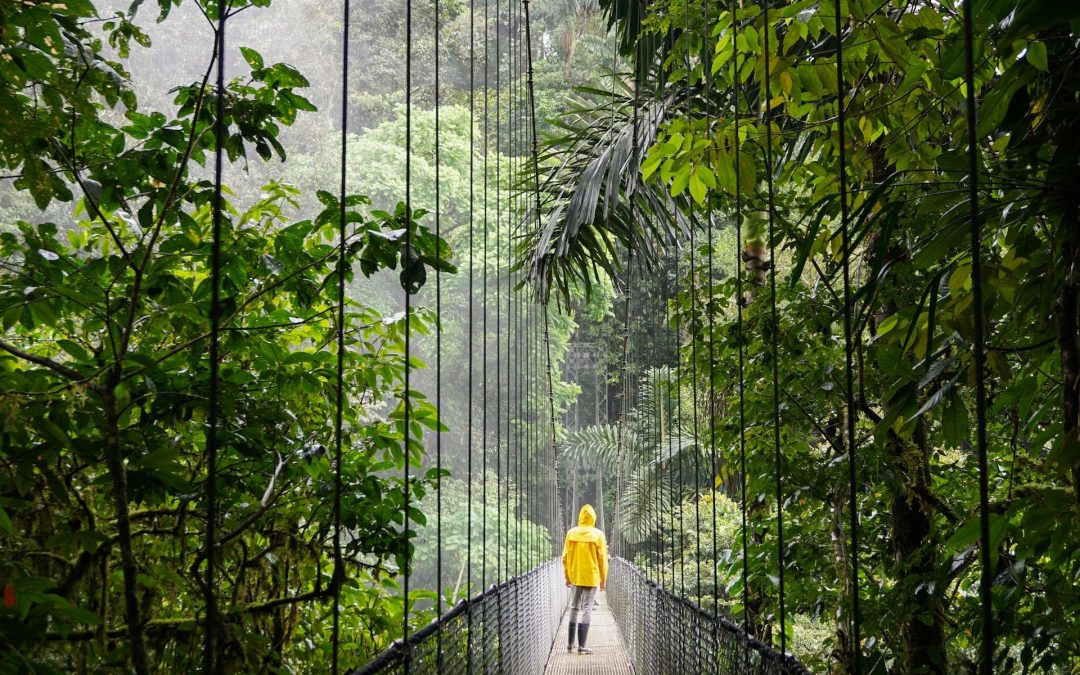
<point>912,305</point>
<point>527,546</point>
<point>104,377</point>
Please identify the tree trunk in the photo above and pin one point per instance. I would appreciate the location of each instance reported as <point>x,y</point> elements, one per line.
<point>757,266</point>
<point>842,652</point>
<point>114,458</point>
<point>1067,307</point>
<point>922,634</point>
<point>574,497</point>
<point>601,522</point>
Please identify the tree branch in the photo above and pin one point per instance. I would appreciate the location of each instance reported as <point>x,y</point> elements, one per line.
<point>46,362</point>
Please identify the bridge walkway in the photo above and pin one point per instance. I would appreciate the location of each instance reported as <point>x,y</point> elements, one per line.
<point>609,655</point>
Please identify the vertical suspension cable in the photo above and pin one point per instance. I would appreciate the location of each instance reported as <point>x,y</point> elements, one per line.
<point>845,235</point>
<point>625,403</point>
<point>527,431</point>
<point>694,408</point>
<point>673,417</point>
<point>635,154</point>
<point>675,476</point>
<point>408,325</point>
<point>660,431</point>
<point>212,422</point>
<point>536,215</point>
<point>739,302</point>
<point>472,337</point>
<point>667,427</point>
<point>679,418</point>
<point>986,644</point>
<point>679,494</point>
<point>706,67</point>
<point>508,224</point>
<point>512,341</point>
<point>502,546</point>
<point>438,362</point>
<point>691,328</point>
<point>617,539</point>
<point>339,392</point>
<point>523,298</point>
<point>551,404</point>
<point>523,455</point>
<point>774,331</point>
<point>499,544</point>
<point>484,359</point>
<point>508,198</point>
<point>657,428</point>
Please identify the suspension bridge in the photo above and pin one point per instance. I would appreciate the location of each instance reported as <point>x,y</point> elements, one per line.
<point>654,618</point>
<point>632,430</point>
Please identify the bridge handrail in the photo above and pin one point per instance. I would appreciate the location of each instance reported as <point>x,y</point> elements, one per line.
<point>486,635</point>
<point>647,645</point>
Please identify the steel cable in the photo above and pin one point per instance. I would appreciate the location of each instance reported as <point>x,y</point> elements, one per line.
<point>740,330</point>
<point>472,335</point>
<point>408,323</point>
<point>774,331</point>
<point>339,390</point>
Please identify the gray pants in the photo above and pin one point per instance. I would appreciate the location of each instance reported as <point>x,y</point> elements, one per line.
<point>581,602</point>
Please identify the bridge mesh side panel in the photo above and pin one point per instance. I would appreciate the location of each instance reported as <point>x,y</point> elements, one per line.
<point>507,629</point>
<point>667,634</point>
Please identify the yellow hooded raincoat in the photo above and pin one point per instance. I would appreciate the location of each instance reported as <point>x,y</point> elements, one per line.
<point>585,556</point>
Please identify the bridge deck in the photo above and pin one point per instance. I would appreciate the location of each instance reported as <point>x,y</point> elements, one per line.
<point>609,655</point>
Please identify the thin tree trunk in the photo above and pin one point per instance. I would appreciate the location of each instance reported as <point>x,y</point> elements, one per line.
<point>574,496</point>
<point>842,652</point>
<point>599,475</point>
<point>1067,307</point>
<point>916,554</point>
<point>115,460</point>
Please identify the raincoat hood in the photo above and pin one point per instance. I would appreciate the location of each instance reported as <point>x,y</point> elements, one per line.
<point>586,516</point>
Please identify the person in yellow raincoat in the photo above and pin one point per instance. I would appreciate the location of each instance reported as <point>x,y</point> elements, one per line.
<point>585,565</point>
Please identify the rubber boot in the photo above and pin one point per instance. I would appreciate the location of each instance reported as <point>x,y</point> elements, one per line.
<point>582,633</point>
<point>570,640</point>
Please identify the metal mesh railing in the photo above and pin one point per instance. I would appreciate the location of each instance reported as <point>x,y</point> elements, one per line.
<point>508,628</point>
<point>667,634</point>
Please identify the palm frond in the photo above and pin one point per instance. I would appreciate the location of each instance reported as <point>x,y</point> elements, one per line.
<point>596,200</point>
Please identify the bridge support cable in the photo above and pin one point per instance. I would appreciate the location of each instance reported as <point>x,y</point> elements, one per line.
<point>691,331</point>
<point>624,408</point>
<point>536,213</point>
<point>339,389</point>
<point>774,329</point>
<point>406,567</point>
<point>710,309</point>
<point>438,355</point>
<point>500,546</point>
<point>471,416</point>
<point>661,407</point>
<point>740,302</point>
<point>485,285</point>
<point>671,397</point>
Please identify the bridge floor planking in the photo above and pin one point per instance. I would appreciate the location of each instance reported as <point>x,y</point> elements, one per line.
<point>609,655</point>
